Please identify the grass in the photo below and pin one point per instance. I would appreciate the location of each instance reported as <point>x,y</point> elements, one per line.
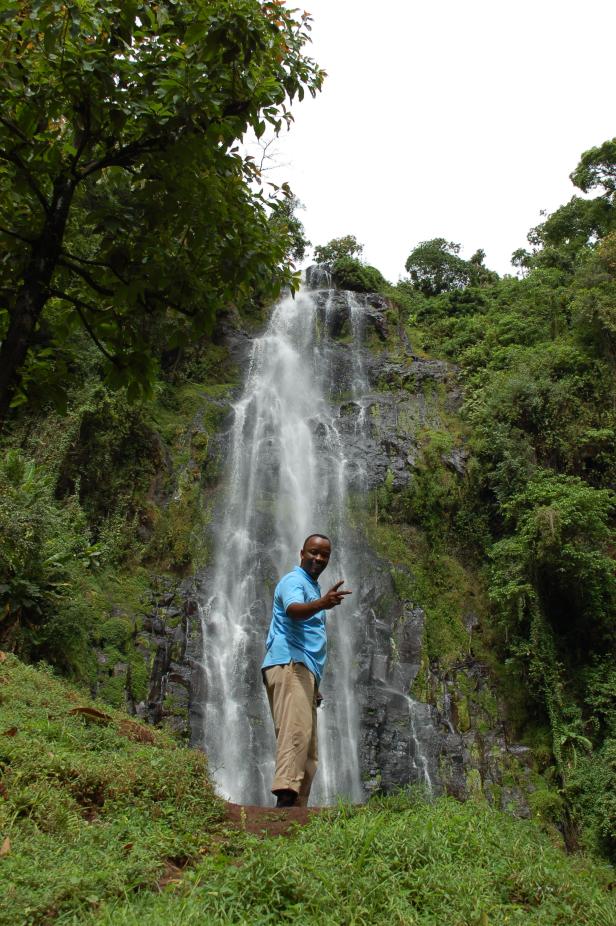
<point>93,811</point>
<point>93,807</point>
<point>400,862</point>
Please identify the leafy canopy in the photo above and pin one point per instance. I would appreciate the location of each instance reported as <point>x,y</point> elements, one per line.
<point>126,205</point>
<point>537,358</point>
<point>597,168</point>
<point>347,246</point>
<point>435,267</point>
<point>342,257</point>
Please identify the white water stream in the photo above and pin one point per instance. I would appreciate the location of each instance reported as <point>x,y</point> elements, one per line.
<point>287,479</point>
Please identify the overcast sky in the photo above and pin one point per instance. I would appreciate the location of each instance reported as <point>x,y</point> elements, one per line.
<point>459,119</point>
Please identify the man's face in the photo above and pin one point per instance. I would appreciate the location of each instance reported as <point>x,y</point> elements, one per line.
<point>315,556</point>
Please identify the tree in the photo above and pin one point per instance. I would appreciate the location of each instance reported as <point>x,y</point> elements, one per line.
<point>435,267</point>
<point>479,275</point>
<point>284,218</point>
<point>561,240</point>
<point>347,246</point>
<point>597,168</point>
<point>569,230</point>
<point>125,204</point>
<point>353,274</point>
<point>342,258</point>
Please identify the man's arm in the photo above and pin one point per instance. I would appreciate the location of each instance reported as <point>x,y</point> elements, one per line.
<point>332,598</point>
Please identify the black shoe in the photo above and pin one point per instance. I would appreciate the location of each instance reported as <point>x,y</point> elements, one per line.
<point>286,798</point>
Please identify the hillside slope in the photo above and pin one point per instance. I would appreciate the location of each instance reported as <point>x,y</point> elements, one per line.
<point>103,820</point>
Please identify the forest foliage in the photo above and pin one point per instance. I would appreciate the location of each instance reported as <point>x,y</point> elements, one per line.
<point>536,508</point>
<point>342,257</point>
<point>537,356</point>
<point>128,210</point>
<point>129,220</point>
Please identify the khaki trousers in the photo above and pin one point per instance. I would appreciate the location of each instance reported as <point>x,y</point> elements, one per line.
<point>292,695</point>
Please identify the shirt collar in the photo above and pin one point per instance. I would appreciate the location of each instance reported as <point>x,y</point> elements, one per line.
<point>310,579</point>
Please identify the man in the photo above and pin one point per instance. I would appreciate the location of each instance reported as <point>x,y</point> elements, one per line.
<point>296,651</point>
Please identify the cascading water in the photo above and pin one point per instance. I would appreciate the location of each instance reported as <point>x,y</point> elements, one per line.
<point>287,478</point>
<point>290,472</point>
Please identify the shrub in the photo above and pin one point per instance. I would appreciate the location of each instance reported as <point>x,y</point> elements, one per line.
<point>350,273</point>
<point>45,550</point>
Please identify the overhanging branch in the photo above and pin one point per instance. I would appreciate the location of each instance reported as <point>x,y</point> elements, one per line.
<point>13,158</point>
<point>80,305</point>
<point>87,277</point>
<point>15,129</point>
<point>14,234</point>
<point>90,262</point>
<point>123,157</point>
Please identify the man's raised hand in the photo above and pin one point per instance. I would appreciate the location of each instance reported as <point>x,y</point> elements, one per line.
<point>334,596</point>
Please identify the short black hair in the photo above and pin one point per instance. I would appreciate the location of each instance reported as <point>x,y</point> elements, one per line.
<point>310,536</point>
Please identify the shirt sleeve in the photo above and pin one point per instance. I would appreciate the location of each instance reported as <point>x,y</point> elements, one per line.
<point>291,591</point>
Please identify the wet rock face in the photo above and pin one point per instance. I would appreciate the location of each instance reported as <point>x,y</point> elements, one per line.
<point>477,760</point>
<point>167,643</point>
<point>402,400</point>
<point>399,744</point>
<point>452,740</point>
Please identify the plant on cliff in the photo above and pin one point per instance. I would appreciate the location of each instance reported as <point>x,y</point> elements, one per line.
<point>126,210</point>
<point>284,220</point>
<point>342,257</point>
<point>337,248</point>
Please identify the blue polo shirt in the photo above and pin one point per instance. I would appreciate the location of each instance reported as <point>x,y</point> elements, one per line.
<point>291,640</point>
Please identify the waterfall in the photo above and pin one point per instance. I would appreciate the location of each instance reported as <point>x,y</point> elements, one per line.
<point>288,477</point>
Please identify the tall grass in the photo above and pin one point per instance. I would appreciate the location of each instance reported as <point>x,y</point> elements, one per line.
<point>93,819</point>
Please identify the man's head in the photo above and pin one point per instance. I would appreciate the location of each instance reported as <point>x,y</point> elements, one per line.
<point>314,554</point>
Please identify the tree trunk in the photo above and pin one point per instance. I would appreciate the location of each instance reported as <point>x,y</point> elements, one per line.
<point>34,293</point>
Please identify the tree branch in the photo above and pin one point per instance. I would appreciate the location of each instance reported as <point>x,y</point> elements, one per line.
<point>80,306</point>
<point>84,111</point>
<point>14,129</point>
<point>93,263</point>
<point>13,158</point>
<point>155,296</point>
<point>123,156</point>
<point>14,234</point>
<point>89,279</point>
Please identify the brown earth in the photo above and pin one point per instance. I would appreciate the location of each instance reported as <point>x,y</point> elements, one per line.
<point>259,821</point>
<point>269,821</point>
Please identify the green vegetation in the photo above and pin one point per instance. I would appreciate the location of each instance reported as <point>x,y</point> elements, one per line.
<point>130,227</point>
<point>105,821</point>
<point>94,505</point>
<point>337,248</point>
<point>435,267</point>
<point>525,539</point>
<point>399,861</point>
<point>537,356</point>
<point>93,805</point>
<point>129,224</point>
<point>127,213</point>
<point>342,257</point>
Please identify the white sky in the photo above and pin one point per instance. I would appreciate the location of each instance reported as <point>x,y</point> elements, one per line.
<point>448,119</point>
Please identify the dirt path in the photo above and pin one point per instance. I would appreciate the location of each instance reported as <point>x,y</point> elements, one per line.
<point>259,821</point>
<point>269,821</point>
